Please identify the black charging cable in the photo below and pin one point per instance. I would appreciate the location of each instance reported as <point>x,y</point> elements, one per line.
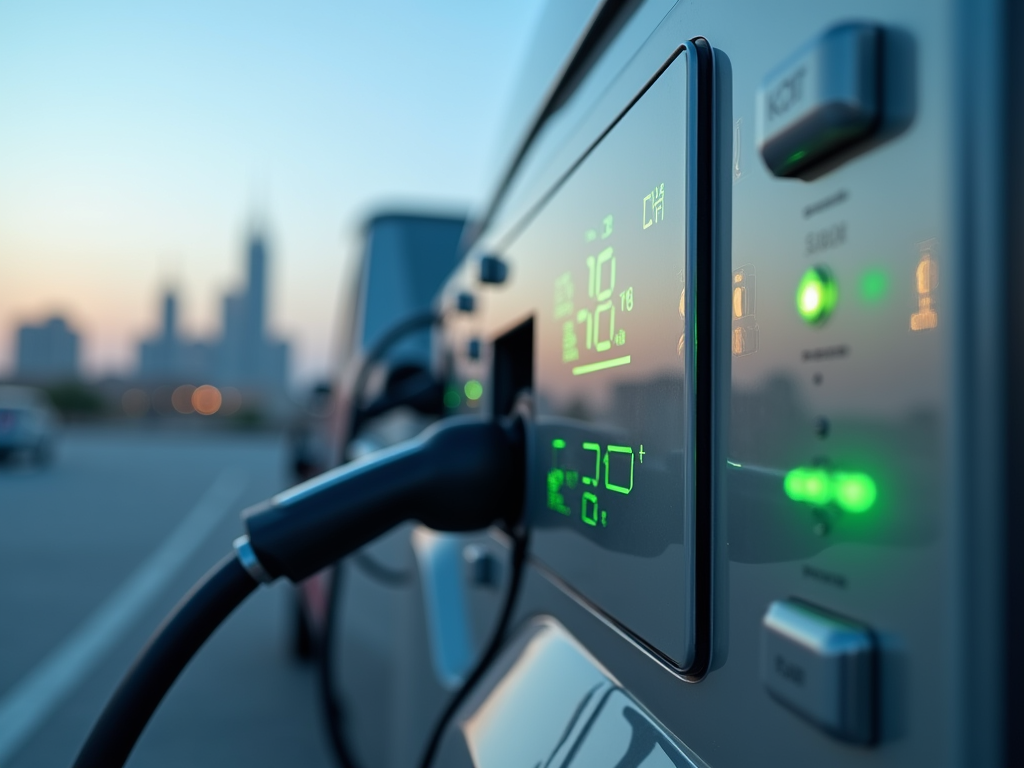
<point>461,474</point>
<point>160,662</point>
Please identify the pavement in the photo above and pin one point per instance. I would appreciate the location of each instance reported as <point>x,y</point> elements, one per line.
<point>94,551</point>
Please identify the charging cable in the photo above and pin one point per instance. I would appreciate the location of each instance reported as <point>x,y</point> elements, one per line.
<point>461,474</point>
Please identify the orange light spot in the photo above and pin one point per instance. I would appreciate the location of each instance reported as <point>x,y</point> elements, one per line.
<point>206,400</point>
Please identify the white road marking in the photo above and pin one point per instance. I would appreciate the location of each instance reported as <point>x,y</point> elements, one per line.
<point>33,698</point>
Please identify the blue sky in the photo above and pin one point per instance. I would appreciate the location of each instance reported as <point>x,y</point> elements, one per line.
<point>138,139</point>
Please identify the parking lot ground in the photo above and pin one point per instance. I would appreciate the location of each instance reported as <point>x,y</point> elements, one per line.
<point>94,551</point>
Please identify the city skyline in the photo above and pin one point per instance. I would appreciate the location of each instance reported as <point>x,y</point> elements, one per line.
<point>138,137</point>
<point>244,355</point>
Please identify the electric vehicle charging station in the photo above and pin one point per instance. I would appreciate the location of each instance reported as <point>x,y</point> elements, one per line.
<point>743,307</point>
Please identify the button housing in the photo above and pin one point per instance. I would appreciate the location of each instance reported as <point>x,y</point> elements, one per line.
<point>822,667</point>
<point>822,99</point>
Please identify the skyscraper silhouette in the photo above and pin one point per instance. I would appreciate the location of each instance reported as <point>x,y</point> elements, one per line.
<point>244,357</point>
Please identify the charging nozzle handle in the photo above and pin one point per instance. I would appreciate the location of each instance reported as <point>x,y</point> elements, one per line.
<point>460,474</point>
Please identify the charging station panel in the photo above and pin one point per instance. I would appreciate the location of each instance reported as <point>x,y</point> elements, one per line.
<point>612,257</point>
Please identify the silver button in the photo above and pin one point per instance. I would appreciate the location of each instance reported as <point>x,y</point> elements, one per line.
<point>821,666</point>
<point>824,98</point>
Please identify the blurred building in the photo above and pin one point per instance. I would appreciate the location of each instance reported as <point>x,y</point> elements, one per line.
<point>169,357</point>
<point>48,351</point>
<point>245,356</point>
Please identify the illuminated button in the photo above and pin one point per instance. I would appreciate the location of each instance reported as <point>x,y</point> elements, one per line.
<point>824,98</point>
<point>854,492</point>
<point>474,389</point>
<point>816,295</point>
<point>822,667</point>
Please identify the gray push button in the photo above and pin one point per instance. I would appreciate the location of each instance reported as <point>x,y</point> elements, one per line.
<point>822,99</point>
<point>822,666</point>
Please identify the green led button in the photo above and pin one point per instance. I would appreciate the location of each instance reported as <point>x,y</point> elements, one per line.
<point>854,492</point>
<point>816,295</point>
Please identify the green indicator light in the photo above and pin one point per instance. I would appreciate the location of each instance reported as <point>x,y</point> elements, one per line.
<point>558,443</point>
<point>874,285</point>
<point>800,154</point>
<point>854,491</point>
<point>850,491</point>
<point>816,295</point>
<point>808,484</point>
<point>474,389</point>
<point>451,398</point>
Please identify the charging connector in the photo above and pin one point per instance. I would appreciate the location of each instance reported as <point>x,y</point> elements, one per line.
<point>460,474</point>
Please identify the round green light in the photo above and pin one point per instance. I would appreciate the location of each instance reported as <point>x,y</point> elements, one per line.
<point>474,389</point>
<point>874,285</point>
<point>816,295</point>
<point>854,491</point>
<point>808,484</point>
<point>451,398</point>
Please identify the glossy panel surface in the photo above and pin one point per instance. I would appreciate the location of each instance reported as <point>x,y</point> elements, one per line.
<point>613,516</point>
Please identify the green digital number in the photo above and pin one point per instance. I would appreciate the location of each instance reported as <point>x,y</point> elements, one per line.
<point>589,516</point>
<point>597,463</point>
<point>626,300</point>
<point>623,449</point>
<point>605,344</point>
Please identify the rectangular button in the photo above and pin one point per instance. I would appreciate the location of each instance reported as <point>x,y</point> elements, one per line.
<point>821,666</point>
<point>825,97</point>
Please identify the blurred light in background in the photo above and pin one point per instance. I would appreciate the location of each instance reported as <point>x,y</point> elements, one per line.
<point>206,400</point>
<point>182,398</point>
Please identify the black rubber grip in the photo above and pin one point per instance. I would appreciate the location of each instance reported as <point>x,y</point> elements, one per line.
<point>461,474</point>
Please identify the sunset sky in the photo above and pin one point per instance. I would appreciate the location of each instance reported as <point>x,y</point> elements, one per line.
<point>139,139</point>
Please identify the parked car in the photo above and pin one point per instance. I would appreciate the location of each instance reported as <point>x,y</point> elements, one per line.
<point>27,423</point>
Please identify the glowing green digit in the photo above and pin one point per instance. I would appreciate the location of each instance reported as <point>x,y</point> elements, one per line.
<point>626,299</point>
<point>602,346</point>
<point>590,519</point>
<point>602,257</point>
<point>584,315</point>
<point>597,463</point>
<point>607,482</point>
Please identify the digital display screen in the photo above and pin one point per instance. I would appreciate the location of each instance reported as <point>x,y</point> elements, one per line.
<point>612,504</point>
